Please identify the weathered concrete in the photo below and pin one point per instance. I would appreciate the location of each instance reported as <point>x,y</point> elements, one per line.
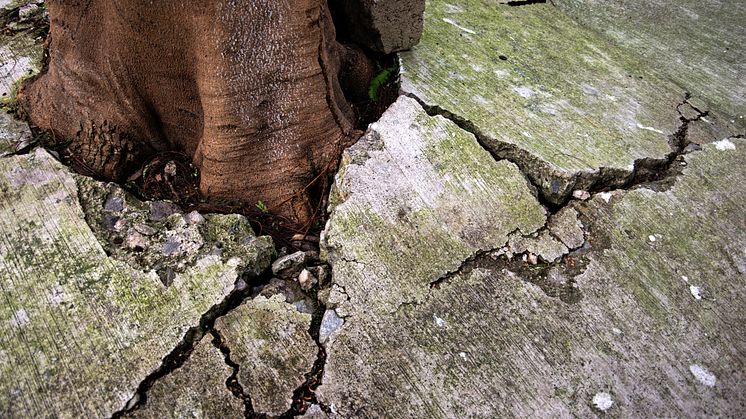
<point>559,100</point>
<point>21,45</point>
<point>657,329</point>
<point>698,44</point>
<point>269,340</point>
<point>79,330</point>
<point>196,390</point>
<point>14,135</point>
<point>412,199</point>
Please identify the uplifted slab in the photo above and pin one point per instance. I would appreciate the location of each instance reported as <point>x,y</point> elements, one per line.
<point>557,99</point>
<point>79,330</point>
<point>413,199</point>
<point>269,340</point>
<point>699,44</point>
<point>657,328</point>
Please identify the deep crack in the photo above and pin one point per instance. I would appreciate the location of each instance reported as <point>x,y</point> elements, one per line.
<point>232,383</point>
<point>305,395</point>
<point>560,186</point>
<point>181,353</point>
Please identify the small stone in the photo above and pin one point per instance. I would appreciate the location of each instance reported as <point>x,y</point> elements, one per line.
<point>170,168</point>
<point>194,217</point>
<point>323,296</point>
<point>329,324</point>
<point>606,196</point>
<point>145,229</point>
<point>581,195</point>
<point>160,210</point>
<point>692,147</point>
<point>306,280</point>
<point>651,238</point>
<point>289,266</point>
<point>696,292</point>
<point>703,375</point>
<point>532,259</point>
<point>603,401</point>
<point>114,204</point>
<point>136,241</point>
<point>322,273</point>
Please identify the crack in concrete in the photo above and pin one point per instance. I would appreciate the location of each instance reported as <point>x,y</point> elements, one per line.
<point>305,395</point>
<point>645,170</point>
<point>232,383</point>
<point>514,3</point>
<point>181,353</point>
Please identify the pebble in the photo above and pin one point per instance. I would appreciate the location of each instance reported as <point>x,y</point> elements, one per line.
<point>289,266</point>
<point>329,324</point>
<point>603,401</point>
<point>306,280</point>
<point>581,195</point>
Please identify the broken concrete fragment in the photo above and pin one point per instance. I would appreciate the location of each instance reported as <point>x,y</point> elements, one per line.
<point>566,226</point>
<point>570,109</point>
<point>385,26</point>
<point>289,266</point>
<point>81,330</point>
<point>157,236</point>
<point>436,193</point>
<point>490,344</point>
<point>330,323</point>
<point>269,340</point>
<point>197,389</point>
<point>14,135</point>
<point>543,245</point>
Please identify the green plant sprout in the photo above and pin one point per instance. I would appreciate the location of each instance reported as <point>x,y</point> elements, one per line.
<point>384,76</point>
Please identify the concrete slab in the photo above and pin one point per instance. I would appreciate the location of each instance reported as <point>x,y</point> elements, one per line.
<point>561,101</point>
<point>696,43</point>
<point>645,321</point>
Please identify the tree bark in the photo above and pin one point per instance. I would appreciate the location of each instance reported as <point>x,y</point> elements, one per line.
<point>248,89</point>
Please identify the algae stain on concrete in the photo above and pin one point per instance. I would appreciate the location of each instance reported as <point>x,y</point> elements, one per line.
<point>94,326</point>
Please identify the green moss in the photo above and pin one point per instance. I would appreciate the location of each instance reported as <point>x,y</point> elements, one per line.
<point>534,78</point>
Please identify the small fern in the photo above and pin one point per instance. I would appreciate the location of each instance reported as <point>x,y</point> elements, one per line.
<point>384,76</point>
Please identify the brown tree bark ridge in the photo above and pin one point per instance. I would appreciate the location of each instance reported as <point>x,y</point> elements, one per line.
<point>249,89</point>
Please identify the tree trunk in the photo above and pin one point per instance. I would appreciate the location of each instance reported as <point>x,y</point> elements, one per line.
<point>249,89</point>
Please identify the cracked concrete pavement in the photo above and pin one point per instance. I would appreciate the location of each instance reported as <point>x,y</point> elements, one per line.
<point>549,222</point>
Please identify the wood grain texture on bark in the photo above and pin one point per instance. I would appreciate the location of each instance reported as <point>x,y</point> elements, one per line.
<point>249,90</point>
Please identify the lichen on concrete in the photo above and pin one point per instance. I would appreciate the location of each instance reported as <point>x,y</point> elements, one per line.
<point>80,329</point>
<point>698,44</point>
<point>559,100</point>
<point>157,236</point>
<point>269,340</point>
<point>438,196</point>
<point>639,342</point>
